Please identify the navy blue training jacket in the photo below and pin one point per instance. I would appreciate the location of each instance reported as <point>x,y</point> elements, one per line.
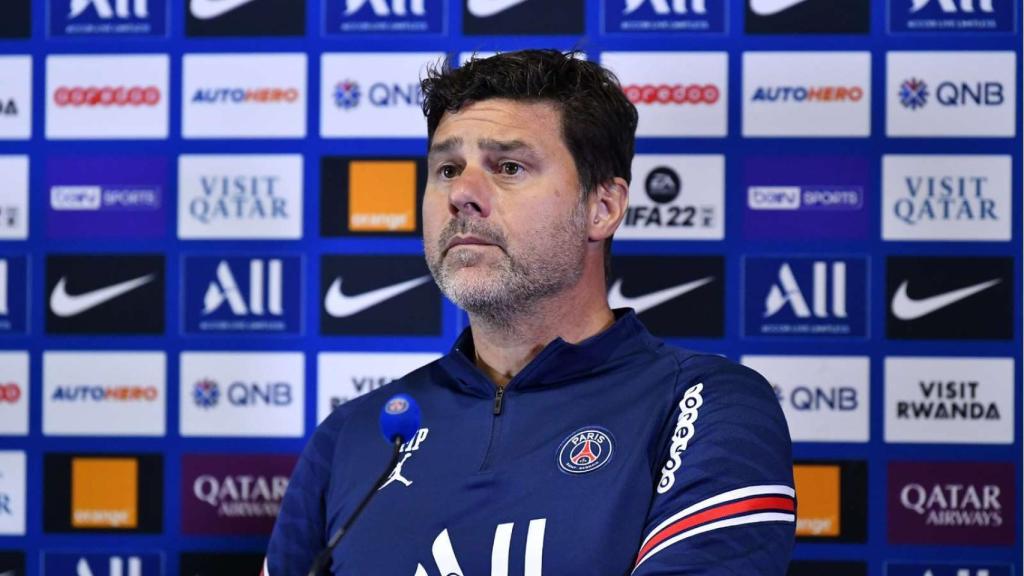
<point>619,455</point>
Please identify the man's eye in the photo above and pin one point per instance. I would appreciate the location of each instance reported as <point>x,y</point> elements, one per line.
<point>448,171</point>
<point>510,168</point>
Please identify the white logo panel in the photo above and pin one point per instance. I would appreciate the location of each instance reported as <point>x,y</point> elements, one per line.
<point>824,398</point>
<point>951,94</point>
<point>675,93</point>
<point>14,390</point>
<point>242,394</point>
<point>946,197</point>
<point>373,94</point>
<point>15,97</point>
<point>949,400</point>
<point>107,97</point>
<point>13,197</point>
<point>104,393</point>
<point>345,376</point>
<point>244,96</point>
<point>806,94</point>
<point>12,493</point>
<point>240,196</point>
<point>675,197</point>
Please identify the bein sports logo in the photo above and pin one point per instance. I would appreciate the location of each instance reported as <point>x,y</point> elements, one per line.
<point>914,94</point>
<point>672,93</point>
<point>106,96</point>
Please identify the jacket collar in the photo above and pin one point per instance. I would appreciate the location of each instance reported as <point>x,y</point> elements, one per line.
<point>557,362</point>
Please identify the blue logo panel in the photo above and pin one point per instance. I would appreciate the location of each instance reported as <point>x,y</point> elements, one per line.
<point>962,569</point>
<point>952,16</point>
<point>75,18</point>
<point>343,17</point>
<point>664,16</point>
<point>243,294</point>
<point>93,564</point>
<point>810,297</point>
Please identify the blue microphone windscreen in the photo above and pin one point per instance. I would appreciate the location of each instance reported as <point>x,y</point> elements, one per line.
<point>400,417</point>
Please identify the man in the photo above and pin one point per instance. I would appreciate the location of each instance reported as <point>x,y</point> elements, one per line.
<point>558,436</point>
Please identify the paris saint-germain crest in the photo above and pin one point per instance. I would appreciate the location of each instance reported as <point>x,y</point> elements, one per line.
<point>585,450</point>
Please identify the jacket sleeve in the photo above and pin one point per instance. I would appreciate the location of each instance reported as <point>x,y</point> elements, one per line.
<point>298,534</point>
<point>724,503</point>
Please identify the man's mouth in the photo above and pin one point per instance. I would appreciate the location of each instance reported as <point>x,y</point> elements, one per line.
<point>466,241</point>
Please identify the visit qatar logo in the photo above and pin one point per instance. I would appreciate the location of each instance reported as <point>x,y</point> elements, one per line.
<point>585,450</point>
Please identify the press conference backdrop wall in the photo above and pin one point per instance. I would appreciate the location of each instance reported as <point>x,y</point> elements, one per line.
<point>193,191</point>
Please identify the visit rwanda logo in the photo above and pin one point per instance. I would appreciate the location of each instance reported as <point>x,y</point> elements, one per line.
<point>913,93</point>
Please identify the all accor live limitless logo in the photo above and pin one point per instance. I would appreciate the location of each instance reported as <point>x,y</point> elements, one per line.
<point>245,95</point>
<point>106,96</point>
<point>672,93</point>
<point>808,94</point>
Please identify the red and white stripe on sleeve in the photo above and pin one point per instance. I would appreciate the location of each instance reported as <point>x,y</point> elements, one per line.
<point>750,505</point>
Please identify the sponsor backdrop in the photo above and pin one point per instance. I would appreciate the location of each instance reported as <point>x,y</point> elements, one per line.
<point>209,223</point>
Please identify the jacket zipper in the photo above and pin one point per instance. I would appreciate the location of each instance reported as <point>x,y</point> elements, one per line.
<point>499,399</point>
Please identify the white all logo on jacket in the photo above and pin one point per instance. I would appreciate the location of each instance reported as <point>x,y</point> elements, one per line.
<point>448,564</point>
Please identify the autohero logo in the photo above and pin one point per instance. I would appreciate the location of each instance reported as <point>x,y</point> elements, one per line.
<point>949,400</point>
<point>932,197</point>
<point>101,564</point>
<point>692,286</point>
<point>244,18</point>
<point>808,16</point>
<point>13,295</point>
<point>239,294</point>
<point>953,503</point>
<point>242,394</point>
<point>833,501</point>
<point>14,391</point>
<point>14,198</point>
<point>12,493</point>
<point>373,94</point>
<point>104,393</point>
<point>951,94</point>
<point>240,196</point>
<point>371,196</point>
<point>824,398</point>
<point>73,18</point>
<point>15,96</point>
<point>233,493</point>
<point>402,17</point>
<point>800,197</point>
<point>676,197</point>
<point>528,17</point>
<point>952,16</point>
<point>345,376</point>
<point>676,93</point>
<point>950,569</point>
<point>663,16</point>
<point>807,94</point>
<point>805,296</point>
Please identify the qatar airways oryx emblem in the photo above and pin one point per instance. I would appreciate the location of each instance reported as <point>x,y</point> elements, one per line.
<point>585,450</point>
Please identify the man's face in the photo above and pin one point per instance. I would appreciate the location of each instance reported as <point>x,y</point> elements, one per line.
<point>503,225</point>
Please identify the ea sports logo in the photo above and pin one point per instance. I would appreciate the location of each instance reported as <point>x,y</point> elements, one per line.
<point>585,450</point>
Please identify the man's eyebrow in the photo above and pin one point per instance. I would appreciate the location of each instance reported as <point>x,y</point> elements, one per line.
<point>445,145</point>
<point>505,145</point>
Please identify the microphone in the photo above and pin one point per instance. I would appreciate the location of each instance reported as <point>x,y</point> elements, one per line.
<point>399,421</point>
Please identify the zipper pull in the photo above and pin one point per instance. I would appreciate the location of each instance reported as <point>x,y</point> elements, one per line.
<point>498,395</point>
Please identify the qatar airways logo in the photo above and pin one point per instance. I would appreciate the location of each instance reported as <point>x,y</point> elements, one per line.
<point>233,493</point>
<point>672,93</point>
<point>242,496</point>
<point>106,96</point>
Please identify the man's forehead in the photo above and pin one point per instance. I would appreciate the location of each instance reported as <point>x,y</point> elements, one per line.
<point>497,124</point>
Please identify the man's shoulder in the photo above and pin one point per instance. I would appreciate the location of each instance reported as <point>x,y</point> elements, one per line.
<point>725,376</point>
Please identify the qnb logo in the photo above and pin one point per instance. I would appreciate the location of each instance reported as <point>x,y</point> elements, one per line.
<point>787,293</point>
<point>663,7</point>
<point>815,399</point>
<point>121,8</point>
<point>348,95</point>
<point>382,9</point>
<point>106,96</point>
<point>115,568</point>
<point>914,94</point>
<point>245,96</point>
<point>238,198</point>
<point>672,93</point>
<point>10,393</point>
<point>264,295</point>
<point>952,7</point>
<point>533,558</point>
<point>955,505</point>
<point>242,495</point>
<point>85,393</point>
<point>823,94</point>
<point>206,394</point>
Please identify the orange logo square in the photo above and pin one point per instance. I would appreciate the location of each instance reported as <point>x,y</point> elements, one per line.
<point>382,196</point>
<point>104,492</point>
<point>818,500</point>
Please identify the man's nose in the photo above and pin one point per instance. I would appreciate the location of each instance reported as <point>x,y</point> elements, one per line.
<point>470,193</point>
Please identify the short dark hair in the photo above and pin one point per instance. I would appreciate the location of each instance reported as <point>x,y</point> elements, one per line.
<point>598,121</point>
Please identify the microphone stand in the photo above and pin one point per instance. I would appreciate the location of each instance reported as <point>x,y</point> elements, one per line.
<point>324,558</point>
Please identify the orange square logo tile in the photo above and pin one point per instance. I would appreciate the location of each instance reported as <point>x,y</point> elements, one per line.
<point>382,196</point>
<point>818,500</point>
<point>104,493</point>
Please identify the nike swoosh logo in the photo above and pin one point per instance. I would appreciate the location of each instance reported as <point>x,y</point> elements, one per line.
<point>210,9</point>
<point>340,305</point>
<point>906,308</point>
<point>771,7</point>
<point>487,8</point>
<point>9,573</point>
<point>648,301</point>
<point>64,305</point>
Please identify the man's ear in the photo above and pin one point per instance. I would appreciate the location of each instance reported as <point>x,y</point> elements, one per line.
<point>606,208</point>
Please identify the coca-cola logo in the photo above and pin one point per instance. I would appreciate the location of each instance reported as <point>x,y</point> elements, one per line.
<point>672,93</point>
<point>10,393</point>
<point>106,96</point>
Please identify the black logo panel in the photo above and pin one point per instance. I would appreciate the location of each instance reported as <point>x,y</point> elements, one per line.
<point>245,18</point>
<point>808,16</point>
<point>194,564</point>
<point>104,294</point>
<point>12,563</point>
<point>813,568</point>
<point>674,296</point>
<point>540,17</point>
<point>949,298</point>
<point>16,22</point>
<point>378,295</point>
